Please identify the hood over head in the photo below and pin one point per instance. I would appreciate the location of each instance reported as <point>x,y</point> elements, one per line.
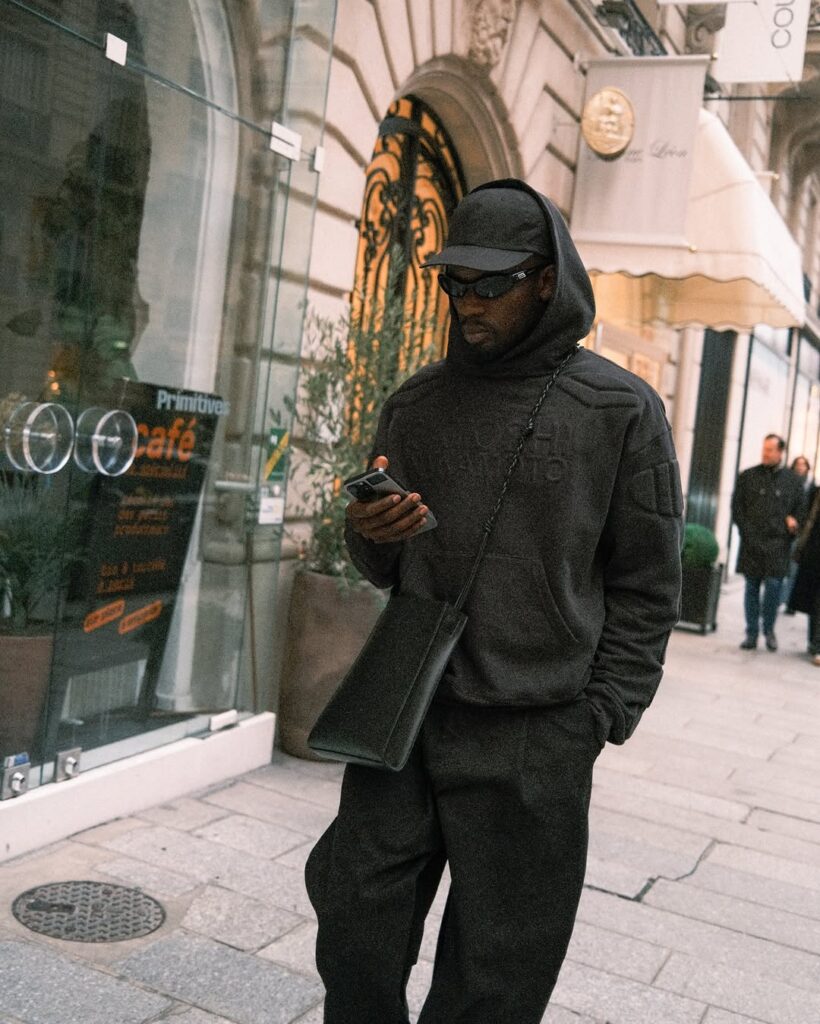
<point>494,228</point>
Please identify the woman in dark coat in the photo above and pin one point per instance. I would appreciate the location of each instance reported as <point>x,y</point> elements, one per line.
<point>805,596</point>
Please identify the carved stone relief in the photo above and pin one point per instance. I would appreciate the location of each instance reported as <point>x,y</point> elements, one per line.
<point>490,22</point>
<point>703,21</point>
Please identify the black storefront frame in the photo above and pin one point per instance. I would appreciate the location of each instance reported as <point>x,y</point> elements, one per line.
<point>706,463</point>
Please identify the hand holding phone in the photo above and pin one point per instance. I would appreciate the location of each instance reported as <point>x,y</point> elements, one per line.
<point>383,510</point>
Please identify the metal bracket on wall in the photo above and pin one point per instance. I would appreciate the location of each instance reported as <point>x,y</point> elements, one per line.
<point>235,500</point>
<point>116,49</point>
<point>67,764</point>
<point>235,486</point>
<point>285,142</point>
<point>14,775</point>
<point>223,720</point>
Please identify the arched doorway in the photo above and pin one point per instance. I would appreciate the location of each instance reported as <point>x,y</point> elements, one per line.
<point>414,181</point>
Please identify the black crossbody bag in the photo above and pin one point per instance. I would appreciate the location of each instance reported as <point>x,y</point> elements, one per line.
<point>375,715</point>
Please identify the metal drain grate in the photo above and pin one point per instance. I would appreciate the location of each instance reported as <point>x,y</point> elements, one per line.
<point>88,911</point>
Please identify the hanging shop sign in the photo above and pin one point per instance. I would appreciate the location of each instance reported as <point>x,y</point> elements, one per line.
<point>737,265</point>
<point>763,41</point>
<point>608,122</point>
<point>635,160</point>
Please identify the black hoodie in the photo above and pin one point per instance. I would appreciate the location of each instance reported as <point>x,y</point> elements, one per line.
<point>579,588</point>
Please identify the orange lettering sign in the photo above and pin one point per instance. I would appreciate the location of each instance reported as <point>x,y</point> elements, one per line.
<point>139,618</point>
<point>102,616</point>
<point>176,442</point>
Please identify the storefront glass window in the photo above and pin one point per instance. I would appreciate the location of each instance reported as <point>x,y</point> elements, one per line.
<point>132,199</point>
<point>803,438</point>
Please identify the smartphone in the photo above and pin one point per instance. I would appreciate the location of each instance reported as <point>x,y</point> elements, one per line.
<point>376,483</point>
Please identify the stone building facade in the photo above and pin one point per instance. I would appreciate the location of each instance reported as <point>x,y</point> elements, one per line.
<point>506,78</point>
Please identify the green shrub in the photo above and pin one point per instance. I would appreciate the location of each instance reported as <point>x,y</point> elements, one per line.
<point>37,549</point>
<point>700,547</point>
<point>356,363</point>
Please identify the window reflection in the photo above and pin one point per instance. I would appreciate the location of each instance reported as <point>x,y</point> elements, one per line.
<point>108,257</point>
<point>119,194</point>
<point>76,310</point>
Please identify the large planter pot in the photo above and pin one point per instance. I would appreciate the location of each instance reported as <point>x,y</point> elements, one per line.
<point>25,670</point>
<point>700,592</point>
<point>327,627</point>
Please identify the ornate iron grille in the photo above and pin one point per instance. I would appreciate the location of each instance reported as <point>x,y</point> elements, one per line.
<point>626,18</point>
<point>413,183</point>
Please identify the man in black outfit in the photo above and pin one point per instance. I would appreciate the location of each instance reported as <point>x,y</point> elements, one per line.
<point>568,623</point>
<point>765,506</point>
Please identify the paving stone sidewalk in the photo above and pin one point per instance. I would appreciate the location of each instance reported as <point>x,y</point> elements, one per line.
<point>702,902</point>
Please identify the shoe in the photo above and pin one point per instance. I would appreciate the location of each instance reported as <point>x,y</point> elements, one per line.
<point>749,644</point>
<point>771,642</point>
<point>815,660</point>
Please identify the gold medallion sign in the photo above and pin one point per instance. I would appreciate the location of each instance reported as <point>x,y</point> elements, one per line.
<point>608,122</point>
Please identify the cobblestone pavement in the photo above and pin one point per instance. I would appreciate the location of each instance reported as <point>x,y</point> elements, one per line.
<point>702,903</point>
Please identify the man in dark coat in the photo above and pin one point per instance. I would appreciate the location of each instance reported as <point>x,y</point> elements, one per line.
<point>765,506</point>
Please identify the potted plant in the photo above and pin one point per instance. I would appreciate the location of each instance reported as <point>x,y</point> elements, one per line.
<point>701,578</point>
<point>35,555</point>
<point>355,363</point>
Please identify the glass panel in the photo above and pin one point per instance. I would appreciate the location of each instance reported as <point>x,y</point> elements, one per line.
<point>812,427</point>
<point>302,66</point>
<point>142,231</point>
<point>296,38</point>
<point>162,637</point>
<point>187,44</point>
<point>800,412</point>
<point>776,338</point>
<point>765,402</point>
<point>55,96</point>
<point>809,359</point>
<point>117,210</point>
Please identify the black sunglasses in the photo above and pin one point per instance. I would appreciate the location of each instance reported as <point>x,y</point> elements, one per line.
<point>491,286</point>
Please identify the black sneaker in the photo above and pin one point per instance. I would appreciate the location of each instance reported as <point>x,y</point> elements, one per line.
<point>771,642</point>
<point>749,644</point>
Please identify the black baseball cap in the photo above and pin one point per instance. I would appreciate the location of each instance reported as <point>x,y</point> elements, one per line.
<point>495,229</point>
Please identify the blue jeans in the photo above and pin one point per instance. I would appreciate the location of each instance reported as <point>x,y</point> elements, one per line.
<point>752,604</point>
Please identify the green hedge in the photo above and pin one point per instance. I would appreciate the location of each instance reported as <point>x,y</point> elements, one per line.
<point>700,546</point>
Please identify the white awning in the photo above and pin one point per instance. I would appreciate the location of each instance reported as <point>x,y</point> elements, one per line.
<point>739,267</point>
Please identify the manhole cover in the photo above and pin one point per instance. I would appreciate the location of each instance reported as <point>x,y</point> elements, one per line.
<point>88,911</point>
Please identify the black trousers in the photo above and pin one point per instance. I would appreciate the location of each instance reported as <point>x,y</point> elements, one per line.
<point>814,624</point>
<point>503,796</point>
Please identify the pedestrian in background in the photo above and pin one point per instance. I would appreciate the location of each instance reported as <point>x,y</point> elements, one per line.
<point>766,506</point>
<point>567,627</point>
<point>806,592</point>
<point>801,467</point>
